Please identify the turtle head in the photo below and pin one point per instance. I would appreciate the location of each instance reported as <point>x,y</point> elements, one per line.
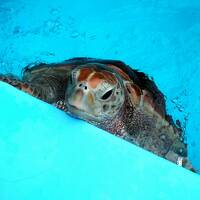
<point>94,93</point>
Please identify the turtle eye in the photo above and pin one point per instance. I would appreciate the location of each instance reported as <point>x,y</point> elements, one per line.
<point>107,95</point>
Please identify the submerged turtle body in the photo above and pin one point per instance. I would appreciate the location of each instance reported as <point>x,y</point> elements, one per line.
<point>112,96</point>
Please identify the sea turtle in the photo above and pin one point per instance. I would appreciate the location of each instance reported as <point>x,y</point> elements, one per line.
<point>111,95</point>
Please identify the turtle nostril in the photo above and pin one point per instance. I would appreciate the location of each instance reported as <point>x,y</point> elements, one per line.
<point>83,86</point>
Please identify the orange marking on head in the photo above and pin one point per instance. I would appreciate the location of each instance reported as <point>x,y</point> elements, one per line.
<point>96,79</point>
<point>149,100</point>
<point>90,98</point>
<point>135,92</point>
<point>84,73</point>
<point>151,104</point>
<point>119,71</point>
<point>109,77</point>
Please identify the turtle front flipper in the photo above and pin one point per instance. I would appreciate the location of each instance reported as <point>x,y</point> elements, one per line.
<point>44,88</point>
<point>21,85</point>
<point>43,81</point>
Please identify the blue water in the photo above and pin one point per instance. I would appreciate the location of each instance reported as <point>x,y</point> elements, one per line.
<point>161,38</point>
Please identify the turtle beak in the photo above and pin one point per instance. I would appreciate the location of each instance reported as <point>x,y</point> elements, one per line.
<point>82,101</point>
<point>79,100</point>
<point>76,98</point>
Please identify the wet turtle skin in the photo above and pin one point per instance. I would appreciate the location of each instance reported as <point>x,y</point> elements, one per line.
<point>110,95</point>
